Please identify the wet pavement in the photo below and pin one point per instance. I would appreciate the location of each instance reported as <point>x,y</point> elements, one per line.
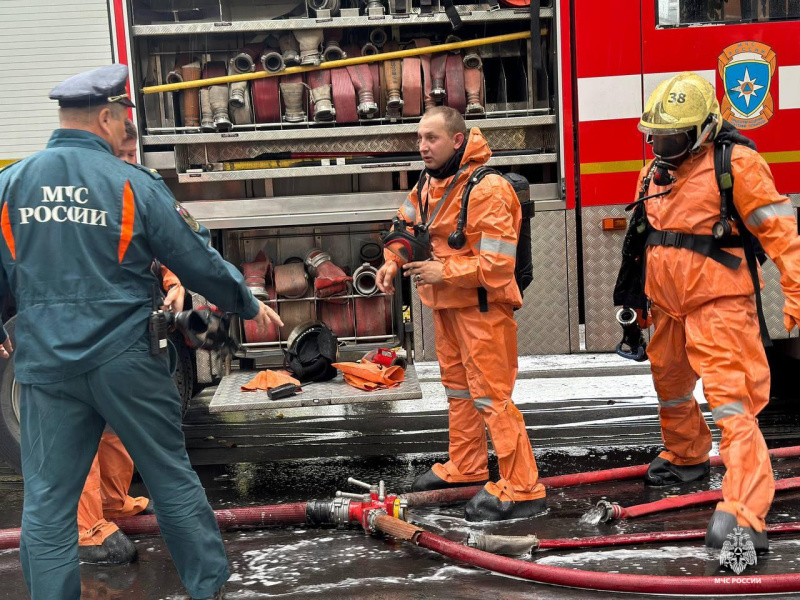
<point>598,417</point>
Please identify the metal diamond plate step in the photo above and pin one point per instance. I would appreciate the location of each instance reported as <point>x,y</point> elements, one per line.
<point>229,396</point>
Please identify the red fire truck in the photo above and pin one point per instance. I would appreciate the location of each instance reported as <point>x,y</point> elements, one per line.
<point>560,109</point>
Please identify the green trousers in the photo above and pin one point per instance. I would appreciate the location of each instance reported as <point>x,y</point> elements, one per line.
<point>61,425</point>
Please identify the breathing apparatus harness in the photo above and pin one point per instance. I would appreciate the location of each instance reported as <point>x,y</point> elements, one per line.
<point>629,288</point>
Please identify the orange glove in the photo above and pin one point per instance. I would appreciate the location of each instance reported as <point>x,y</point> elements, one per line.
<point>369,376</point>
<point>266,380</point>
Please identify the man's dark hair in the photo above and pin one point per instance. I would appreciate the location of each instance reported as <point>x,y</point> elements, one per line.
<point>453,121</point>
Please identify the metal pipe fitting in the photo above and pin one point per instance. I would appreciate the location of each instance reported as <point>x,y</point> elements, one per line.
<point>369,49</point>
<point>472,61</point>
<point>365,280</point>
<point>378,37</point>
<point>333,51</point>
<point>272,62</point>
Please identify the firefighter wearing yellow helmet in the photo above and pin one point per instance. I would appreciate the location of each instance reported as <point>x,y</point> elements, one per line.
<point>700,286</point>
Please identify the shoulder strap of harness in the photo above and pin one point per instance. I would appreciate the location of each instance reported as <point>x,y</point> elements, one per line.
<point>474,179</point>
<point>724,173</point>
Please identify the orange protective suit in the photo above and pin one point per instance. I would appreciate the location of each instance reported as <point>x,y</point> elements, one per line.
<point>706,324</point>
<point>105,493</point>
<point>478,350</point>
<point>369,376</point>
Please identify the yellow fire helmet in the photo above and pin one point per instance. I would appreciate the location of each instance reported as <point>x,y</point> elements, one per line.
<point>683,103</point>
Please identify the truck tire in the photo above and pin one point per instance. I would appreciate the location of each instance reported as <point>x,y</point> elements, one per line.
<point>9,397</point>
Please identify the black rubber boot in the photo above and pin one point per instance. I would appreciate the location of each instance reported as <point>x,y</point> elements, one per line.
<point>218,595</point>
<point>116,549</point>
<point>431,481</point>
<point>661,472</point>
<point>150,509</point>
<point>487,507</point>
<point>722,525</point>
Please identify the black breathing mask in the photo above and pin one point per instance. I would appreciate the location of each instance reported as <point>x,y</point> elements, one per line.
<point>410,246</point>
<point>670,150</point>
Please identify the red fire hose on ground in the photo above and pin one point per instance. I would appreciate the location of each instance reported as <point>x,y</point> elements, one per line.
<point>453,495</point>
<point>377,511</point>
<point>609,511</point>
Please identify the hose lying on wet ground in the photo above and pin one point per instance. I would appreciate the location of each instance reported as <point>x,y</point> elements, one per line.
<point>454,495</point>
<point>279,515</point>
<point>594,580</point>
<point>525,544</point>
<point>608,511</point>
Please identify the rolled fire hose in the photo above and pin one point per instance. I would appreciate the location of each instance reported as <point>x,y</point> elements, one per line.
<point>371,316</point>
<point>237,94</point>
<point>473,83</point>
<point>412,87</point>
<point>438,64</point>
<point>337,313</point>
<point>266,99</point>
<point>292,92</point>
<point>574,479</point>
<point>310,41</point>
<point>393,82</point>
<point>290,49</point>
<point>291,280</point>
<point>361,77</point>
<point>190,98</point>
<point>295,313</point>
<point>176,74</point>
<point>329,279</point>
<point>456,98</point>
<point>257,276</point>
<point>321,96</point>
<point>242,115</point>
<point>217,98</point>
<point>419,50</point>
<point>344,96</point>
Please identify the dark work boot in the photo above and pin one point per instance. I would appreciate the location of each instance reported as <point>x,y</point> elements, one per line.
<point>116,549</point>
<point>431,481</point>
<point>218,595</point>
<point>661,472</point>
<point>488,507</point>
<point>721,529</point>
<point>150,509</point>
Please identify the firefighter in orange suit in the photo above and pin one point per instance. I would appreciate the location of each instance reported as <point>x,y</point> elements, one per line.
<point>105,494</point>
<point>702,299</point>
<point>476,341</point>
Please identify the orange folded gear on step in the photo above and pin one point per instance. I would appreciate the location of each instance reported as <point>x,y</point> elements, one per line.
<point>266,380</point>
<point>369,376</point>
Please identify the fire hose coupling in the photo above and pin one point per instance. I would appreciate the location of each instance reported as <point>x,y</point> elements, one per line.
<point>633,345</point>
<point>378,37</point>
<point>509,545</point>
<point>333,51</point>
<point>369,49</point>
<point>611,511</point>
<point>472,61</point>
<point>272,62</point>
<point>310,42</point>
<point>365,280</point>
